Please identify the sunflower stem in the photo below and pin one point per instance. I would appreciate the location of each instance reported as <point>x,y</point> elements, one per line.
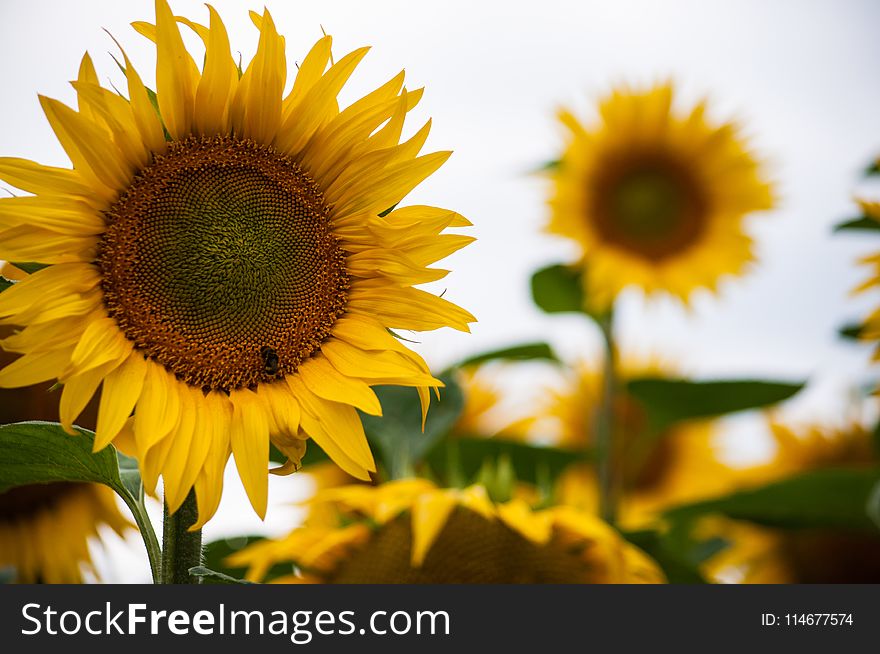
<point>181,548</point>
<point>604,425</point>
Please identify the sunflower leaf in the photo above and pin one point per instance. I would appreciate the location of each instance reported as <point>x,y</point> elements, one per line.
<point>679,558</point>
<point>30,267</point>
<point>397,437</point>
<point>667,401</point>
<point>830,499</point>
<point>862,223</point>
<point>558,289</point>
<point>529,463</point>
<point>524,352</point>
<point>43,453</point>
<point>208,575</point>
<point>851,331</point>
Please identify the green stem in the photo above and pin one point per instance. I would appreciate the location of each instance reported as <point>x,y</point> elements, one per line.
<point>181,548</point>
<point>154,552</point>
<point>604,426</point>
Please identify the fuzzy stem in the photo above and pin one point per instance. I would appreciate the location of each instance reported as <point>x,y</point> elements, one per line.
<point>181,548</point>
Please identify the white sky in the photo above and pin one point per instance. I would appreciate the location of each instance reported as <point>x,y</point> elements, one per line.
<point>799,75</point>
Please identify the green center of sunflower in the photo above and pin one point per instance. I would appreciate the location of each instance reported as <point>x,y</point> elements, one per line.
<point>220,263</point>
<point>650,205</point>
<point>469,550</point>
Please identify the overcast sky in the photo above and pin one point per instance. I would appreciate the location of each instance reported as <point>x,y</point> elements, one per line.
<point>800,77</point>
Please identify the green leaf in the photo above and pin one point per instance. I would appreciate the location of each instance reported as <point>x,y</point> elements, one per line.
<point>668,401</point>
<point>43,453</point>
<point>212,576</point>
<point>873,506</point>
<point>530,463</point>
<point>549,166</point>
<point>5,283</point>
<point>862,223</point>
<point>557,289</point>
<point>679,558</point>
<point>524,352</point>
<point>852,331</point>
<point>873,168</point>
<point>29,267</point>
<point>830,499</point>
<point>397,437</point>
<point>387,211</point>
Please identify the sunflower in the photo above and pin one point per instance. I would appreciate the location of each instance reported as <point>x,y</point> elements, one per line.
<point>764,555</point>
<point>654,198</point>
<point>224,259</point>
<point>655,471</point>
<point>871,328</point>
<point>410,531</point>
<point>45,529</point>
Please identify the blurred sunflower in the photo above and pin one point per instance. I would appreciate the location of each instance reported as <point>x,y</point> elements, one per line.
<point>483,413</point>
<point>656,470</point>
<point>655,199</point>
<point>45,529</point>
<point>763,555</point>
<point>871,327</point>
<point>225,262</point>
<point>409,531</point>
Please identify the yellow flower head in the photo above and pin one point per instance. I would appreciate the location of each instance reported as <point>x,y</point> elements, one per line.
<point>764,555</point>
<point>225,263</point>
<point>45,529</point>
<point>410,531</point>
<point>656,471</point>
<point>654,198</point>
<point>871,328</point>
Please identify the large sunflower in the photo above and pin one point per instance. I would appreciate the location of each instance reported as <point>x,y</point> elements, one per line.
<point>224,259</point>
<point>409,531</point>
<point>655,199</point>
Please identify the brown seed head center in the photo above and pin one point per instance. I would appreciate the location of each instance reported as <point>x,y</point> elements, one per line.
<point>219,262</point>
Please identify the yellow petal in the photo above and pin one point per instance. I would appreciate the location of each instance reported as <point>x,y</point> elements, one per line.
<point>249,437</point>
<point>262,84</point>
<point>211,115</point>
<point>315,428</point>
<point>121,390</point>
<point>36,367</point>
<point>38,179</point>
<point>174,464</point>
<point>325,381</point>
<point>101,343</point>
<point>158,408</point>
<point>77,392</point>
<point>63,215</point>
<point>409,308</point>
<point>429,515</point>
<point>354,362</point>
<point>90,149</point>
<point>176,74</point>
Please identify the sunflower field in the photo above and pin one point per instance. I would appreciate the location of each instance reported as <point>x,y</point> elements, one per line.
<point>257,325</point>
